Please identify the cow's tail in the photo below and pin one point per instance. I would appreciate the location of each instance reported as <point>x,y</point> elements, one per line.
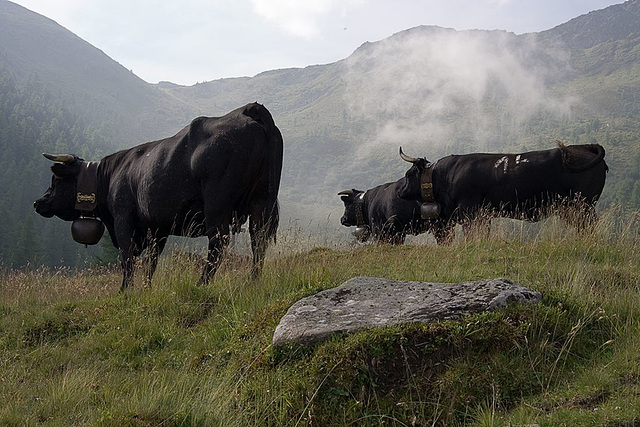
<point>275,148</point>
<point>579,158</point>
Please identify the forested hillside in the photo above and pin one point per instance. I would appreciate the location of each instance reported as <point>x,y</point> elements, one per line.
<point>59,94</point>
<point>84,80</point>
<point>32,121</point>
<point>431,90</point>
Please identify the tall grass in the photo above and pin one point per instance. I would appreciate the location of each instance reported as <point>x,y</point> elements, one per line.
<point>74,351</point>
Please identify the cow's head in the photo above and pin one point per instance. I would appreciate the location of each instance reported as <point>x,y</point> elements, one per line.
<point>354,213</point>
<point>60,198</point>
<point>410,187</point>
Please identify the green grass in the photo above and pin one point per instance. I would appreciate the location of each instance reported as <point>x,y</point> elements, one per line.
<point>74,351</point>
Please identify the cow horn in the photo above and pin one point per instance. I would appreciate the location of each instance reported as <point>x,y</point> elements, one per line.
<point>346,193</point>
<point>407,158</point>
<point>62,158</point>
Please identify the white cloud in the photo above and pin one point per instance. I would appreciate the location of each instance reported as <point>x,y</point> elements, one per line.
<point>198,40</point>
<point>436,86</point>
<point>300,18</point>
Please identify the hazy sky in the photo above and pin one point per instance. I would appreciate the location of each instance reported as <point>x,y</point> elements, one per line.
<point>190,41</point>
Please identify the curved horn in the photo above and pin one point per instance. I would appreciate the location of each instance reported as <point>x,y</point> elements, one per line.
<point>346,193</point>
<point>62,158</point>
<point>407,158</point>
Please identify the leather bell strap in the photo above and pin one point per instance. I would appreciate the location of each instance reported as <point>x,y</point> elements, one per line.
<point>426,184</point>
<point>87,187</point>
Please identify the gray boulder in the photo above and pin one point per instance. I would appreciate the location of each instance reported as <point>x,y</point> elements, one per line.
<point>367,302</point>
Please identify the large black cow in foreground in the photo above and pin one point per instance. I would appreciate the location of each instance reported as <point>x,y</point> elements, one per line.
<point>567,180</point>
<point>206,180</point>
<point>381,214</point>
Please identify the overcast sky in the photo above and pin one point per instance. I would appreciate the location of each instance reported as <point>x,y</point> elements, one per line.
<point>190,41</point>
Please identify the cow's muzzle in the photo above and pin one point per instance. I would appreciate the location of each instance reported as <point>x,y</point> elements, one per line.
<point>39,207</point>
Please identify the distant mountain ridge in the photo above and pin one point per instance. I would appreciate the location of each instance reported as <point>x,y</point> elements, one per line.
<point>616,22</point>
<point>35,45</point>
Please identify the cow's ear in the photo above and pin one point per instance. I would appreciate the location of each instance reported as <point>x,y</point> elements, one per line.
<point>422,163</point>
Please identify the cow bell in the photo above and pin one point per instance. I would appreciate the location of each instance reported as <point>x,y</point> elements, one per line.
<point>87,231</point>
<point>429,210</point>
<point>362,233</point>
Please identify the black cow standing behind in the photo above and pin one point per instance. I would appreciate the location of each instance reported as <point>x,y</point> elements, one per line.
<point>206,180</point>
<point>567,180</point>
<point>381,214</point>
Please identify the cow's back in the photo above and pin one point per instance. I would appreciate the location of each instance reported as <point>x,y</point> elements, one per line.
<point>225,159</point>
<point>513,182</point>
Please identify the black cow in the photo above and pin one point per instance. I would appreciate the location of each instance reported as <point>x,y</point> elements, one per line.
<point>567,180</point>
<point>206,180</point>
<point>381,214</point>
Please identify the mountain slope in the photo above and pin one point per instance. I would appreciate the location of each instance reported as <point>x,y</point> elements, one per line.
<point>93,85</point>
<point>604,51</point>
<point>617,22</point>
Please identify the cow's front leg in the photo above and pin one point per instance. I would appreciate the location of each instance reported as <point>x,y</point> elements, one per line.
<point>477,227</point>
<point>128,254</point>
<point>126,262</point>
<point>443,232</point>
<point>395,237</point>
<point>130,248</point>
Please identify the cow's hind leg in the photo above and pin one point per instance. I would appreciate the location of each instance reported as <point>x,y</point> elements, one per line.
<point>262,228</point>
<point>218,241</point>
<point>259,244</point>
<point>581,215</point>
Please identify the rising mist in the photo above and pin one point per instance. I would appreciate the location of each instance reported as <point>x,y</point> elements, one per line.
<point>441,91</point>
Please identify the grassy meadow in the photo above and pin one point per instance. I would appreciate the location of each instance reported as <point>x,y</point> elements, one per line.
<point>74,351</point>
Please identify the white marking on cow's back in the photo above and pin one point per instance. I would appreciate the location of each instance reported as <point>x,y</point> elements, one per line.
<point>504,161</point>
<point>519,159</point>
